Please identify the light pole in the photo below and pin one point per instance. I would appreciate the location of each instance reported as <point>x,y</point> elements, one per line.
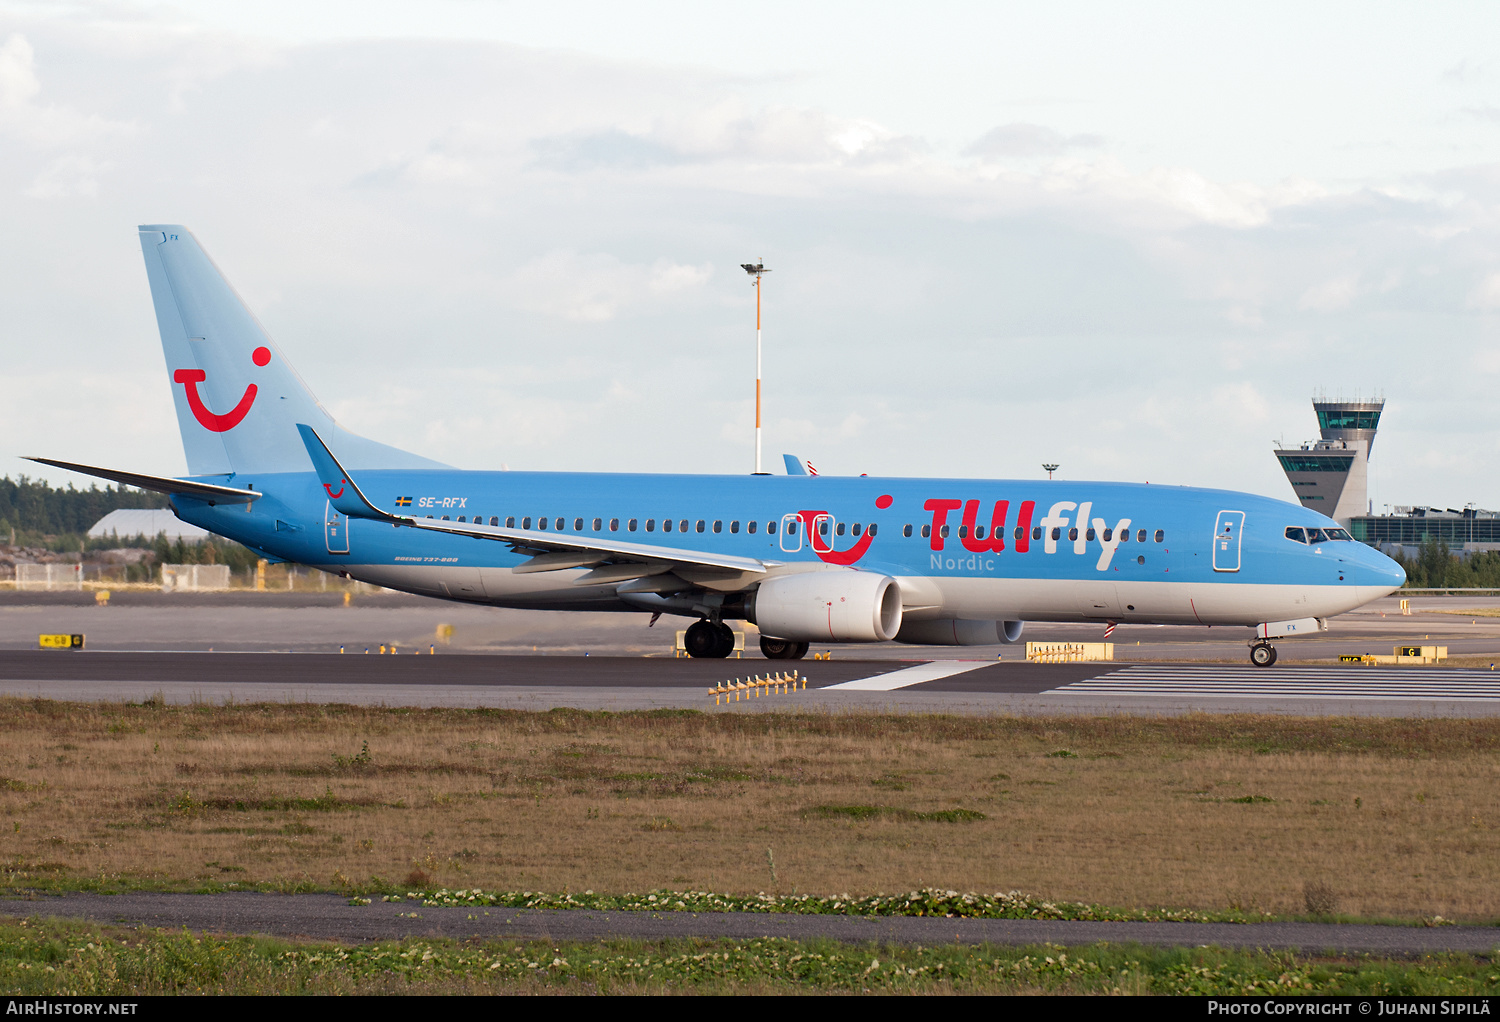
<point>756,270</point>
<point>1050,469</point>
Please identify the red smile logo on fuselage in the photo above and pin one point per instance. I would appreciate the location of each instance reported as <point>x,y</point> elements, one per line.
<point>825,552</point>
<point>190,378</point>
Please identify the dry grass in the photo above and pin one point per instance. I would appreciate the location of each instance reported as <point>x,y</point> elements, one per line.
<point>1384,817</point>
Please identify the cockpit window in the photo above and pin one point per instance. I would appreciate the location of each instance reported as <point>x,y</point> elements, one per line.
<point>1295,534</point>
<point>1315,536</point>
<point>1339,534</point>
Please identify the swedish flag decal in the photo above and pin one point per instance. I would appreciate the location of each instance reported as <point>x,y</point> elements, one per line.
<point>403,502</point>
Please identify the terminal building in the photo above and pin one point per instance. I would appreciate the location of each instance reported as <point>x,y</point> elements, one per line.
<point>1331,476</point>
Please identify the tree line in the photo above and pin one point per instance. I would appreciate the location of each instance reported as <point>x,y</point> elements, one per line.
<point>34,506</point>
<point>1435,567</point>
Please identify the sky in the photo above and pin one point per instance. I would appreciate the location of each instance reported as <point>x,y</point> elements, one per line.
<point>1133,240</point>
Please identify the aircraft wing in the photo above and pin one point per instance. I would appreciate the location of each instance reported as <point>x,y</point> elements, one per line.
<point>552,551</point>
<point>161,484</point>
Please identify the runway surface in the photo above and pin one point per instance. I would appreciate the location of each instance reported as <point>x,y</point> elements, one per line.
<point>625,683</point>
<point>330,917</point>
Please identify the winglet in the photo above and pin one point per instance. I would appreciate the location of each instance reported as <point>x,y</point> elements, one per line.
<point>793,465</point>
<point>343,494</point>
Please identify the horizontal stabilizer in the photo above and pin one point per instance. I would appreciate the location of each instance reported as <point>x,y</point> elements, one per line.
<point>210,492</point>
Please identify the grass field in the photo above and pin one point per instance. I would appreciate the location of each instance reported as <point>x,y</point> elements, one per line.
<point>1360,817</point>
<point>39,957</point>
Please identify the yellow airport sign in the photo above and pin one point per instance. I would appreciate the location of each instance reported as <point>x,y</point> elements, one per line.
<point>60,641</point>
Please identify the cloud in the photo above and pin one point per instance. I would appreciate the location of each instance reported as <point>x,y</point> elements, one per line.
<point>598,287</point>
<point>1331,295</point>
<point>1486,295</point>
<point>18,81</point>
<point>68,176</point>
<point>1029,141</point>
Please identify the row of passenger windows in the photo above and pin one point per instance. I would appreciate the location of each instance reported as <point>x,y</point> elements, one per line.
<point>668,525</point>
<point>703,525</point>
<point>1019,533</point>
<point>1298,534</point>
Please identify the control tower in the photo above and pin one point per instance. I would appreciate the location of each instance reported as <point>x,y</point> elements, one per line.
<point>1331,475</point>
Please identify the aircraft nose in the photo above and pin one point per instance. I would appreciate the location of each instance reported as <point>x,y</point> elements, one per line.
<point>1375,569</point>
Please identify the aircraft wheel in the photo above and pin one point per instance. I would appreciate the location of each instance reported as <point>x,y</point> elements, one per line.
<point>1262,654</point>
<point>726,640</point>
<point>703,640</point>
<point>799,651</point>
<point>780,649</point>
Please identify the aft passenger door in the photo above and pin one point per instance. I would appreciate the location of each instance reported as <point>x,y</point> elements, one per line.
<point>791,533</point>
<point>1227,540</point>
<point>335,530</point>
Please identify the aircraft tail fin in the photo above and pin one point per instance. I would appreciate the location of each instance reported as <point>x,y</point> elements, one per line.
<point>238,399</point>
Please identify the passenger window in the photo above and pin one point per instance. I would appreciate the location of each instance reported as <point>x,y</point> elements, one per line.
<point>1109,534</point>
<point>463,518</point>
<point>559,525</point>
<point>1140,535</point>
<point>1160,535</point>
<point>630,525</point>
<point>1295,534</point>
<point>1036,532</point>
<point>1073,535</point>
<point>525,523</point>
<point>750,527</point>
<point>770,528</point>
<point>700,526</point>
<point>494,521</point>
<point>718,526</point>
<point>510,523</point>
<point>650,524</point>
<point>598,524</point>
<point>578,525</point>
<point>945,531</point>
<point>963,532</point>
<point>906,531</point>
<point>614,525</point>
<point>823,527</point>
<point>541,523</point>
<point>855,529</point>
<point>682,525</point>
<point>666,525</point>
<point>1089,535</point>
<point>446,518</point>
<point>791,528</point>
<point>840,529</point>
<point>734,526</point>
<point>873,529</point>
<point>926,531</point>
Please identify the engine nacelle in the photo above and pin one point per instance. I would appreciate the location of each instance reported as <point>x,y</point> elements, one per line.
<point>829,606</point>
<point>951,632</point>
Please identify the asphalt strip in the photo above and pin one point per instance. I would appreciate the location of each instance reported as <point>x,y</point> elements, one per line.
<point>331,917</point>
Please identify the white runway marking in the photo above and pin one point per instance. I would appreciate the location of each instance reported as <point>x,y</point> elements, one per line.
<point>1290,683</point>
<point>911,676</point>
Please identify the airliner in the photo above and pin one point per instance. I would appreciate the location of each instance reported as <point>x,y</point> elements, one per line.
<point>805,558</point>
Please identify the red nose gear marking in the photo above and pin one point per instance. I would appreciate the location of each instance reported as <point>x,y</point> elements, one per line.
<point>190,378</point>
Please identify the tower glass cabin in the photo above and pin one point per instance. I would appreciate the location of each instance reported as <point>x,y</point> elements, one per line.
<point>1331,475</point>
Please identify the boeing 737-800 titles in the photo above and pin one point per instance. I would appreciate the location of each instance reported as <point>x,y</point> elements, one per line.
<point>805,558</point>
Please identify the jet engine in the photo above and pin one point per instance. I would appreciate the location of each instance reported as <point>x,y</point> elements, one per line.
<point>950,632</point>
<point>828,606</point>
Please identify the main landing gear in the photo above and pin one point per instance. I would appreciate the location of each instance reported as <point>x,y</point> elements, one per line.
<point>1262,654</point>
<point>782,649</point>
<point>714,640</point>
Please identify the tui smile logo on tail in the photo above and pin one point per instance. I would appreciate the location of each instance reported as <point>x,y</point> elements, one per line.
<point>190,378</point>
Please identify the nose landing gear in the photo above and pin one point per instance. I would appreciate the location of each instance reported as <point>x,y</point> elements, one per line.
<point>1262,654</point>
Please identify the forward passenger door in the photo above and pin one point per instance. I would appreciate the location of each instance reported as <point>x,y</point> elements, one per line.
<point>1227,540</point>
